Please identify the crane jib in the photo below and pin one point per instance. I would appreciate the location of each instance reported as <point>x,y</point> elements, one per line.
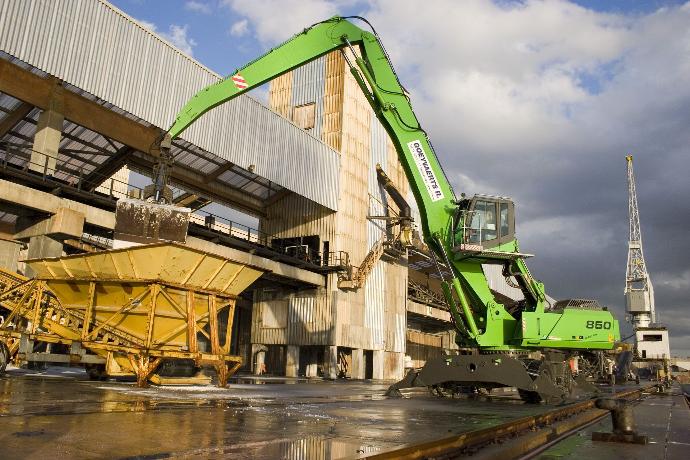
<point>425,170</point>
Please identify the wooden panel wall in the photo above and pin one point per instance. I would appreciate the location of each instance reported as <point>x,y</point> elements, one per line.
<point>332,123</point>
<point>280,95</point>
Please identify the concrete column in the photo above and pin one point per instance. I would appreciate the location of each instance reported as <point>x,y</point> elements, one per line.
<point>396,366</point>
<point>48,134</point>
<point>46,234</point>
<point>41,246</point>
<point>259,358</point>
<point>292,361</point>
<point>312,366</point>
<point>357,363</point>
<point>9,254</point>
<point>330,367</point>
<point>378,358</point>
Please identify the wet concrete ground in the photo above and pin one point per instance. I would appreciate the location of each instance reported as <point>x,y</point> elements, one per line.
<point>664,418</point>
<point>70,417</point>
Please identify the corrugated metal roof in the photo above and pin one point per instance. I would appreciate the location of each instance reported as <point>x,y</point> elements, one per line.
<point>99,49</point>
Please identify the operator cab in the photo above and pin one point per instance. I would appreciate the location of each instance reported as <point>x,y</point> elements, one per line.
<point>483,222</point>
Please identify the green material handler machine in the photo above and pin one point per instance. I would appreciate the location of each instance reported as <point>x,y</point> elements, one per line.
<point>531,344</point>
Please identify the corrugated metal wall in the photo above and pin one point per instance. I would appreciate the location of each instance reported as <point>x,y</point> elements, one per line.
<point>375,287</point>
<point>396,292</point>
<point>309,320</point>
<point>96,47</point>
<point>304,318</point>
<point>294,215</point>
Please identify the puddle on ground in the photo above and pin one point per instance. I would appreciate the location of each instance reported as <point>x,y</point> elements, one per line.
<point>326,420</point>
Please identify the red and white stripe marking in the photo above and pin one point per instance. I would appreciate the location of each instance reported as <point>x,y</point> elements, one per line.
<point>240,82</point>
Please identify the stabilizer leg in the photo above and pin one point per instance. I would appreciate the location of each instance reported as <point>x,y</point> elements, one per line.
<point>409,381</point>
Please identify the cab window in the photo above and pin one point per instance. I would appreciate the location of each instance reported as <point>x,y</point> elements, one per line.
<point>484,222</point>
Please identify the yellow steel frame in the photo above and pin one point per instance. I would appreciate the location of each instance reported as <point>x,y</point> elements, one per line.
<point>133,323</point>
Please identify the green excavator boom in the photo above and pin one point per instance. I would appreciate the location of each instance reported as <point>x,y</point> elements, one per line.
<point>459,231</point>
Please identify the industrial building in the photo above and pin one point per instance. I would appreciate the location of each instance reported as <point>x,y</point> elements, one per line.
<point>335,300</point>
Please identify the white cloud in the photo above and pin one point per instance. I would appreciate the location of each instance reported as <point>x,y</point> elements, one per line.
<point>147,25</point>
<point>277,20</point>
<point>239,28</point>
<point>177,36</point>
<point>673,281</point>
<point>198,7</point>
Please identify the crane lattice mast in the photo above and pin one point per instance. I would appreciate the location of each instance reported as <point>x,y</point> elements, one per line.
<point>639,293</point>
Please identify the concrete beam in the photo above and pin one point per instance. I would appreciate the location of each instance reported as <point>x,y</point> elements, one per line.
<point>378,372</point>
<point>358,369</point>
<point>42,246</point>
<point>9,253</point>
<point>15,117</point>
<point>48,203</point>
<point>35,90</point>
<point>331,362</point>
<point>292,361</point>
<point>426,310</point>
<point>45,202</point>
<point>195,181</point>
<point>39,91</point>
<point>65,223</point>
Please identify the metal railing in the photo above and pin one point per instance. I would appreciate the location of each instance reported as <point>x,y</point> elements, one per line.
<point>423,294</point>
<point>331,259</point>
<point>18,157</point>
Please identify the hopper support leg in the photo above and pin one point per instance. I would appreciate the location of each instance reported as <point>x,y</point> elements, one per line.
<point>224,371</point>
<point>222,374</point>
<point>143,367</point>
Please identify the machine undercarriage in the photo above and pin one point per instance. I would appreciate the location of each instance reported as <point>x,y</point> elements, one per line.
<point>554,377</point>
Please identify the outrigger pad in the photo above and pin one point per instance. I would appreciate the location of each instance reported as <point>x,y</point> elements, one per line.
<point>489,371</point>
<point>409,381</point>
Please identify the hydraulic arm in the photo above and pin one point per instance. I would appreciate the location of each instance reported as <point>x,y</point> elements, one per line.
<point>464,233</point>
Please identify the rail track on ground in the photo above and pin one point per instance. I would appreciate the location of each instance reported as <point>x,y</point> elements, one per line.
<point>520,438</point>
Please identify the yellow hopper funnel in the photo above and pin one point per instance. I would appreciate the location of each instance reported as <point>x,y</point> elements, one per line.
<point>147,302</point>
<point>167,263</point>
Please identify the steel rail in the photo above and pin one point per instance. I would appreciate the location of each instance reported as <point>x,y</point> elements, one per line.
<point>472,441</point>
